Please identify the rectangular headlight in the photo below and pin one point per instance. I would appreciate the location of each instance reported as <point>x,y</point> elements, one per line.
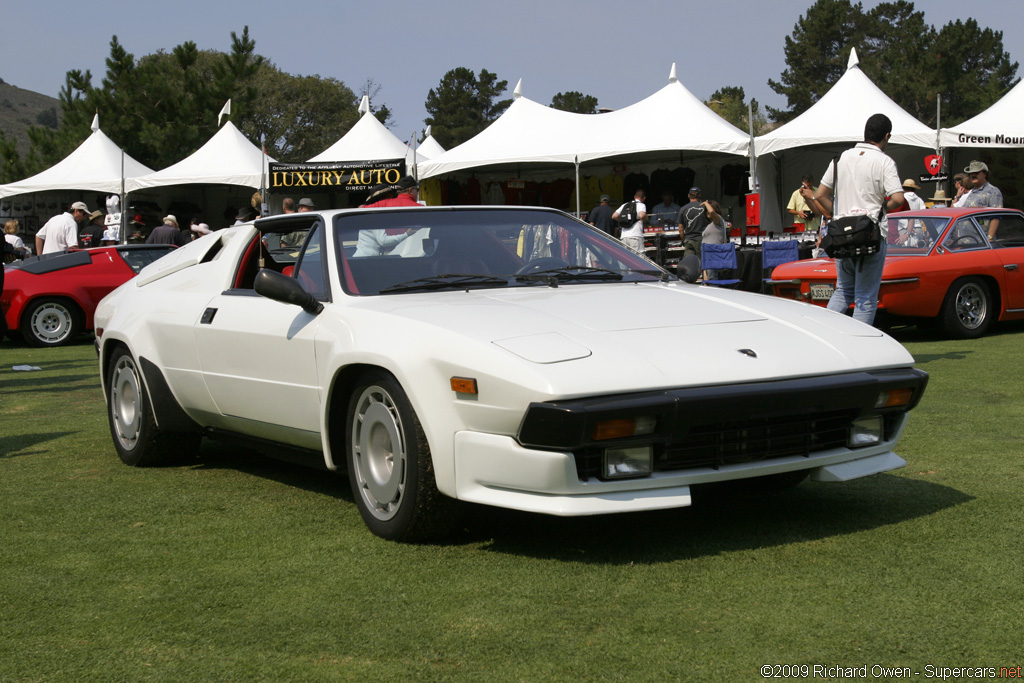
<point>620,463</point>
<point>865,431</point>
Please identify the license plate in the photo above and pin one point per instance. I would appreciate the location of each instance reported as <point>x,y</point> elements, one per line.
<point>821,292</point>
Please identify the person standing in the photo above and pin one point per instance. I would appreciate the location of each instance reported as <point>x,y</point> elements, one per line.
<point>963,188</point>
<point>168,233</point>
<point>408,192</point>
<point>61,231</point>
<point>864,176</point>
<point>665,212</point>
<point>983,193</point>
<point>288,205</point>
<point>802,212</point>
<point>692,219</point>
<point>601,216</point>
<point>633,234</point>
<point>92,232</point>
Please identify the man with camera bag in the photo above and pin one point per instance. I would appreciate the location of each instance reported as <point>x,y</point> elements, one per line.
<point>860,182</point>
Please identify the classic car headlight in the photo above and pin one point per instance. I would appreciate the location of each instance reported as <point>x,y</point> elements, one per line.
<point>620,428</point>
<point>865,431</point>
<point>894,398</point>
<point>620,463</point>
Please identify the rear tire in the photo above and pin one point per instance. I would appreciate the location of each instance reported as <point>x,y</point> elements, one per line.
<point>137,439</point>
<point>967,311</point>
<point>50,322</point>
<point>389,464</point>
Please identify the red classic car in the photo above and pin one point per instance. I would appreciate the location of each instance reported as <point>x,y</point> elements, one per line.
<point>50,299</point>
<point>941,264</point>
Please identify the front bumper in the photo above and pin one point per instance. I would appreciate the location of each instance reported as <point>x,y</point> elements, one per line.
<point>702,435</point>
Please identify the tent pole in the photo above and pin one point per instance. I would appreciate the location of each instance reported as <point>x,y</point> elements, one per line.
<point>750,151</point>
<point>122,236</point>
<point>576,163</point>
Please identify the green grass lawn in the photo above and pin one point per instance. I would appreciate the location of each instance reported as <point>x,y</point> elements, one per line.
<point>240,568</point>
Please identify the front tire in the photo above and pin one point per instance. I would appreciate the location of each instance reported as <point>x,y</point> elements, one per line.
<point>967,311</point>
<point>389,464</point>
<point>137,439</point>
<point>50,322</point>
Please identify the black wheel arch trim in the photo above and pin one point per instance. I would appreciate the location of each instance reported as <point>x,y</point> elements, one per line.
<point>168,413</point>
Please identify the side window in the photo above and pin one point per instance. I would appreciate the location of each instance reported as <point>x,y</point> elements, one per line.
<point>964,235</point>
<point>310,269</point>
<point>1010,231</point>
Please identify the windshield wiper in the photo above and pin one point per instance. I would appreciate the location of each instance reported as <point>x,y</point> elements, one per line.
<point>572,273</point>
<point>446,281</point>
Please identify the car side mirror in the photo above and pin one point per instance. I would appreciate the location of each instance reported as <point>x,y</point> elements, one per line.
<point>287,290</point>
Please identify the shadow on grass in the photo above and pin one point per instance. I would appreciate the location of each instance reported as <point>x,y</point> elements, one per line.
<point>20,382</point>
<point>16,446</point>
<point>723,518</point>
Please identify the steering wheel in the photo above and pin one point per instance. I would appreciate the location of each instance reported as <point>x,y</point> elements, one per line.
<point>542,263</point>
<point>966,241</point>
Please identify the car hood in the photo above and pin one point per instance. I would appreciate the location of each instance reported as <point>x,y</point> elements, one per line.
<point>669,334</point>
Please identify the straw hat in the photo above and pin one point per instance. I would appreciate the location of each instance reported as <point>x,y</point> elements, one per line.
<point>940,196</point>
<point>909,182</point>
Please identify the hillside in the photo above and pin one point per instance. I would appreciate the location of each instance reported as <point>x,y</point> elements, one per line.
<point>20,109</point>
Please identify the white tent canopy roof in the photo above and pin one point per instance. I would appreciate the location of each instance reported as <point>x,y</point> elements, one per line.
<point>429,148</point>
<point>228,158</point>
<point>94,165</point>
<point>840,115</point>
<point>529,132</point>
<point>1000,125</point>
<point>368,140</point>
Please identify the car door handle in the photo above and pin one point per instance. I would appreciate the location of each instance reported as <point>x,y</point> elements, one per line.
<point>1011,266</point>
<point>208,316</point>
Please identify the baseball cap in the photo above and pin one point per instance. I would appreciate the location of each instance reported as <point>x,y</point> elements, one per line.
<point>80,206</point>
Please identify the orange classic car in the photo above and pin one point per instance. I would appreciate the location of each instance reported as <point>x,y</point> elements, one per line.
<point>961,268</point>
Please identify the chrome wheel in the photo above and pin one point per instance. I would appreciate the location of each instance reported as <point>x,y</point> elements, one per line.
<point>967,311</point>
<point>50,323</point>
<point>379,456</point>
<point>125,403</point>
<point>971,306</point>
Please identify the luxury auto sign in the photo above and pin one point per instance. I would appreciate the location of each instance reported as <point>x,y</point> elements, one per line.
<point>355,176</point>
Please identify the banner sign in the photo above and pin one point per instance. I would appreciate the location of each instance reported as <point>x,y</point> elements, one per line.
<point>351,176</point>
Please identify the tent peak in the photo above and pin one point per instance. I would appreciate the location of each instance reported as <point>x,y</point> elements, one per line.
<point>672,78</point>
<point>853,61</point>
<point>364,105</point>
<point>518,92</point>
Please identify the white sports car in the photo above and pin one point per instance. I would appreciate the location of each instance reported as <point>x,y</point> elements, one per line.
<point>509,356</point>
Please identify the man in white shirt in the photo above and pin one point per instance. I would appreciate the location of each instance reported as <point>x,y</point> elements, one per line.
<point>864,177</point>
<point>633,235</point>
<point>61,231</point>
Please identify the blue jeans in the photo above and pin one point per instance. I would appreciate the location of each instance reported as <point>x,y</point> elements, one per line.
<point>857,283</point>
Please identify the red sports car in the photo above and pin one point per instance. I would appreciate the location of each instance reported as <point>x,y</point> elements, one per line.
<point>50,299</point>
<point>941,264</point>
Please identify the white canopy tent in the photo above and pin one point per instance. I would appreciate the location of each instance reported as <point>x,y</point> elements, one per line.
<point>368,140</point>
<point>811,140</point>
<point>669,121</point>
<point>429,148</point>
<point>96,165</point>
<point>1000,125</point>
<point>653,132</point>
<point>228,158</point>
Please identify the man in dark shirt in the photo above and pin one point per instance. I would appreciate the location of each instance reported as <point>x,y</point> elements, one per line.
<point>168,233</point>
<point>91,233</point>
<point>601,216</point>
<point>692,220</point>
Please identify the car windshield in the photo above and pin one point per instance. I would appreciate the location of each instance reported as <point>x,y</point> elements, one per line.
<point>137,259</point>
<point>415,251</point>
<point>914,235</point>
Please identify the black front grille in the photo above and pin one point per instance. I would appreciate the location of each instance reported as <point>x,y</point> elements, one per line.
<point>739,441</point>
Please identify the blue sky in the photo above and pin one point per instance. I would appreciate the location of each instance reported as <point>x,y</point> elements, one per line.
<point>619,52</point>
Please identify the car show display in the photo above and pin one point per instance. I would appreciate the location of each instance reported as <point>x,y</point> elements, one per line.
<point>941,265</point>
<point>493,355</point>
<point>48,300</point>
